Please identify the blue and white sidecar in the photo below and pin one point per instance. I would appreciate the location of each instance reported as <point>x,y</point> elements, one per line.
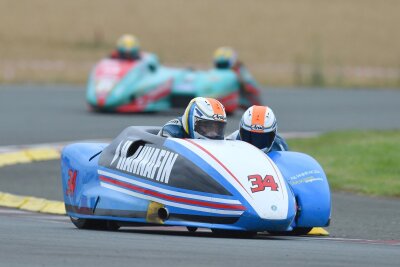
<point>227,186</point>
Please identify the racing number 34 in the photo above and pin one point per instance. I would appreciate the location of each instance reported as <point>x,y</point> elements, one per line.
<point>259,184</point>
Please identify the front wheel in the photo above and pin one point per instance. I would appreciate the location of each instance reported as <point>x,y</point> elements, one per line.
<point>294,232</point>
<point>301,230</point>
<point>91,224</point>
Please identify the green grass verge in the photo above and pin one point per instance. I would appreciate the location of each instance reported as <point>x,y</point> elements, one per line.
<point>356,161</point>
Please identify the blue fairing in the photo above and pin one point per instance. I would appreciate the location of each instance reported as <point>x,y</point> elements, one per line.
<point>76,157</point>
<point>89,196</point>
<point>100,181</point>
<point>309,184</point>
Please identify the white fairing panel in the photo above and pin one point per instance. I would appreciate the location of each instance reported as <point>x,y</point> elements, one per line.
<point>249,170</point>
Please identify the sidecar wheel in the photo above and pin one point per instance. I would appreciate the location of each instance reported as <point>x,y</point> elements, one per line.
<point>91,224</point>
<point>192,229</point>
<point>233,233</point>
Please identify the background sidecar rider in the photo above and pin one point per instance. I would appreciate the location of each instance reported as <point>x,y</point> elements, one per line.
<point>128,48</point>
<point>227,58</point>
<point>258,127</point>
<point>204,118</point>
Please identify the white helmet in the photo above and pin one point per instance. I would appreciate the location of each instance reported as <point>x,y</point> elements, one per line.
<point>204,118</point>
<point>128,45</point>
<point>225,58</point>
<point>258,127</point>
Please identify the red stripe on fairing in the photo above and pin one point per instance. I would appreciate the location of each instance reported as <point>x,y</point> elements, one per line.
<point>250,88</point>
<point>219,162</point>
<point>115,68</point>
<point>254,96</point>
<point>171,198</point>
<point>141,103</point>
<point>230,102</point>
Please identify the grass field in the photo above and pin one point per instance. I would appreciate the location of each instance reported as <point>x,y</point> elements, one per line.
<point>333,42</point>
<point>361,162</point>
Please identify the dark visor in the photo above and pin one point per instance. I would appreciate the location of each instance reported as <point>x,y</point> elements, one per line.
<point>260,140</point>
<point>223,64</point>
<point>210,129</point>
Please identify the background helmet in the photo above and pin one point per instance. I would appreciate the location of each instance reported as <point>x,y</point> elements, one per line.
<point>225,58</point>
<point>128,45</point>
<point>258,127</point>
<point>204,118</point>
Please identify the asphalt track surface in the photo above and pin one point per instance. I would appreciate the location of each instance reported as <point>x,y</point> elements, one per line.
<point>43,114</point>
<point>364,230</point>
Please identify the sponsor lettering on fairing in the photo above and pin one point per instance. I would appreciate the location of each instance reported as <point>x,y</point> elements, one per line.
<point>150,162</point>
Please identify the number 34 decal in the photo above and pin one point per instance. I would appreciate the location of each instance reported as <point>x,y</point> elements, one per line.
<point>259,184</point>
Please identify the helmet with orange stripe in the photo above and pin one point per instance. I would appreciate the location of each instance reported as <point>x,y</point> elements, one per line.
<point>258,127</point>
<point>204,118</point>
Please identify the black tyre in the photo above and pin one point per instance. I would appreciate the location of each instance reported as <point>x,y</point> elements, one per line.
<point>91,224</point>
<point>294,232</point>
<point>233,233</point>
<point>301,230</point>
<point>112,226</point>
<point>192,229</point>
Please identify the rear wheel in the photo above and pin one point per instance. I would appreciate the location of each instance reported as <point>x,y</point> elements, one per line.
<point>94,224</point>
<point>192,229</point>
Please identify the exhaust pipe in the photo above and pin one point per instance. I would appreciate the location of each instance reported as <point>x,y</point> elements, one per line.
<point>163,214</point>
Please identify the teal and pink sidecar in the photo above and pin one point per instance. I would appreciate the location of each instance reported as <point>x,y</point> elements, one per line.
<point>147,86</point>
